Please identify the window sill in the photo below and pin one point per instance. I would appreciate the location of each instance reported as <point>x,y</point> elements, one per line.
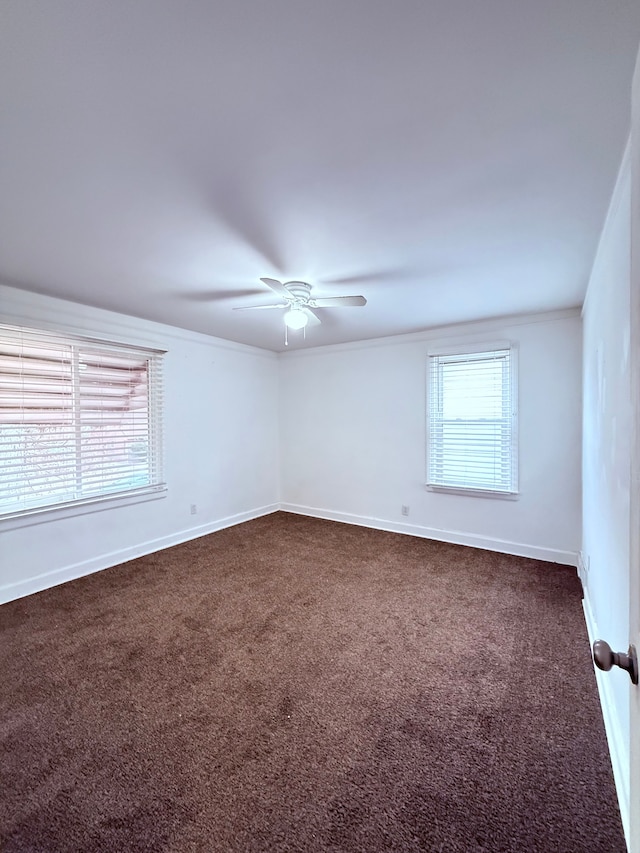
<point>474,493</point>
<point>42,515</point>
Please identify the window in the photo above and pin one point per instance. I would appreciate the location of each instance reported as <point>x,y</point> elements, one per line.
<point>472,421</point>
<point>79,420</point>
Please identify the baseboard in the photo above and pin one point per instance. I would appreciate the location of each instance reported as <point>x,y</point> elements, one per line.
<point>619,756</point>
<point>455,537</point>
<point>19,589</point>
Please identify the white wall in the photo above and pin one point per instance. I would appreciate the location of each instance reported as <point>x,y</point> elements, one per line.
<point>606,465</point>
<point>221,451</point>
<point>347,442</point>
<point>353,438</point>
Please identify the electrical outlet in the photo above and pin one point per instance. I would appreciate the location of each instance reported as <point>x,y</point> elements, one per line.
<point>194,509</point>
<point>405,509</point>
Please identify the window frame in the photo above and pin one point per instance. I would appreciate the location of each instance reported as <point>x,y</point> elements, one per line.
<point>157,488</point>
<point>513,493</point>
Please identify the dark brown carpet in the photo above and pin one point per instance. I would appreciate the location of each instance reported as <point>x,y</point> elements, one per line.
<point>292,684</point>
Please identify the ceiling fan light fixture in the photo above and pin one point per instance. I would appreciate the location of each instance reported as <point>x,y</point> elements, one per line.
<point>295,318</point>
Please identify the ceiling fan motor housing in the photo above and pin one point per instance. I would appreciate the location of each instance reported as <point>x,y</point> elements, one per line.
<point>299,290</point>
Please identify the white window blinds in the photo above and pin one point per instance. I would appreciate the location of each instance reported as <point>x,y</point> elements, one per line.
<point>472,421</point>
<point>79,420</point>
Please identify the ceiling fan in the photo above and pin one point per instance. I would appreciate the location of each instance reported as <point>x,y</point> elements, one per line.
<point>299,304</point>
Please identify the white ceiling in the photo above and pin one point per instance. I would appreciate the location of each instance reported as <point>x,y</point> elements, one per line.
<point>450,160</point>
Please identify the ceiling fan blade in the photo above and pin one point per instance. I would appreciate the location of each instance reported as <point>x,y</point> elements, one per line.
<point>260,307</point>
<point>338,301</point>
<point>277,286</point>
<point>314,320</point>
